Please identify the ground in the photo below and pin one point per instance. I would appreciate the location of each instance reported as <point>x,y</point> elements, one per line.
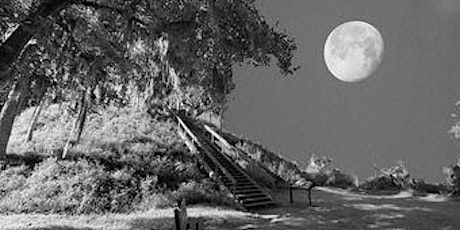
<point>333,209</point>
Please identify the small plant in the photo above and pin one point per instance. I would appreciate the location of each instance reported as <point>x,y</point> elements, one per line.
<point>12,178</point>
<point>453,179</point>
<point>394,178</point>
<point>421,187</point>
<point>203,192</point>
<point>321,173</point>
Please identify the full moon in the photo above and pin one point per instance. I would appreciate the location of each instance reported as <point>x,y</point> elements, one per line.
<point>353,51</point>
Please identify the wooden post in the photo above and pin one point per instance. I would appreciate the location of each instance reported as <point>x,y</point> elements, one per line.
<point>180,215</point>
<point>290,195</point>
<point>195,224</point>
<point>176,219</point>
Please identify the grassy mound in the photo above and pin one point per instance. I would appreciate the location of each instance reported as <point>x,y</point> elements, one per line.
<point>125,162</point>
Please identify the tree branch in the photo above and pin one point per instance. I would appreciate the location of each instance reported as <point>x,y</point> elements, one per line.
<point>120,11</point>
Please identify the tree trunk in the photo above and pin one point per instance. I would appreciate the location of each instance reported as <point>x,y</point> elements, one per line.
<point>69,144</point>
<point>11,49</point>
<point>78,125</point>
<point>81,121</point>
<point>10,110</point>
<point>34,120</point>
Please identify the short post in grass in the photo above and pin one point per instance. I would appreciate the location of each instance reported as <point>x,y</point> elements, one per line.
<point>180,215</point>
<point>291,199</point>
<point>195,224</point>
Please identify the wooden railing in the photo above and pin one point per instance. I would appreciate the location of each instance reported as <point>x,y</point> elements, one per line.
<point>237,152</point>
<point>196,140</point>
<point>227,147</point>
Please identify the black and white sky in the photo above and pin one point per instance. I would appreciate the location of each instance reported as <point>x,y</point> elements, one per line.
<point>402,112</point>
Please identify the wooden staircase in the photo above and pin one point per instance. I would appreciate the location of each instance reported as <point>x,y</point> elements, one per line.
<point>222,167</point>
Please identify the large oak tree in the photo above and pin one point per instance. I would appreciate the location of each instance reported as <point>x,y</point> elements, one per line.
<point>111,46</point>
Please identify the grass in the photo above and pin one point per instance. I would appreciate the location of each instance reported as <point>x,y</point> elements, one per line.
<point>158,219</point>
<point>334,209</point>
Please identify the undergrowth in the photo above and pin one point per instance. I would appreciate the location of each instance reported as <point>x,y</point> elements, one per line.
<point>125,162</point>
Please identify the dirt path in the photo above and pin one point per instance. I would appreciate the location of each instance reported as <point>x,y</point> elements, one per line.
<point>337,209</point>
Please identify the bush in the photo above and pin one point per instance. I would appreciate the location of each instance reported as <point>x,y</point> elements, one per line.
<point>453,179</point>
<point>395,178</point>
<point>421,187</point>
<point>154,195</point>
<point>12,178</point>
<point>338,179</point>
<point>203,192</point>
<point>321,173</point>
<point>157,200</point>
<point>73,187</point>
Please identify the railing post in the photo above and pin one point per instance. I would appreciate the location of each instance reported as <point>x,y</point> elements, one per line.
<point>180,215</point>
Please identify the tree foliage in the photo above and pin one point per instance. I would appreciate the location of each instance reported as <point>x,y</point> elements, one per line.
<point>168,52</point>
<point>102,42</point>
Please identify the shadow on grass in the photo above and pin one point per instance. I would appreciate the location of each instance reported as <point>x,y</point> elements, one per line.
<point>110,154</point>
<point>63,227</point>
<point>28,159</point>
<point>151,223</point>
<point>210,223</point>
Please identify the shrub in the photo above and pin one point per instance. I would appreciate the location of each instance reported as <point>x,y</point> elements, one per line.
<point>338,179</point>
<point>73,187</point>
<point>157,200</point>
<point>12,178</point>
<point>394,178</point>
<point>203,192</point>
<point>453,179</point>
<point>421,187</point>
<point>321,173</point>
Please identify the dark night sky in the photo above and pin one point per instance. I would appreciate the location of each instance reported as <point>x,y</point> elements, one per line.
<point>403,111</point>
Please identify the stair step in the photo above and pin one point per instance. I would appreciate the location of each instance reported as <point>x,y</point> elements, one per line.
<point>250,195</point>
<point>258,205</point>
<point>247,188</point>
<point>239,184</point>
<point>256,200</point>
<point>247,191</point>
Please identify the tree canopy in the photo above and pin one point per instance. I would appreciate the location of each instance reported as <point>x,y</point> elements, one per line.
<point>168,52</point>
<point>110,42</point>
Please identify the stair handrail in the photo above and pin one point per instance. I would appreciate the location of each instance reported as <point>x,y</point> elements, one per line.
<point>242,153</point>
<point>230,147</point>
<point>265,168</point>
<point>197,141</point>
